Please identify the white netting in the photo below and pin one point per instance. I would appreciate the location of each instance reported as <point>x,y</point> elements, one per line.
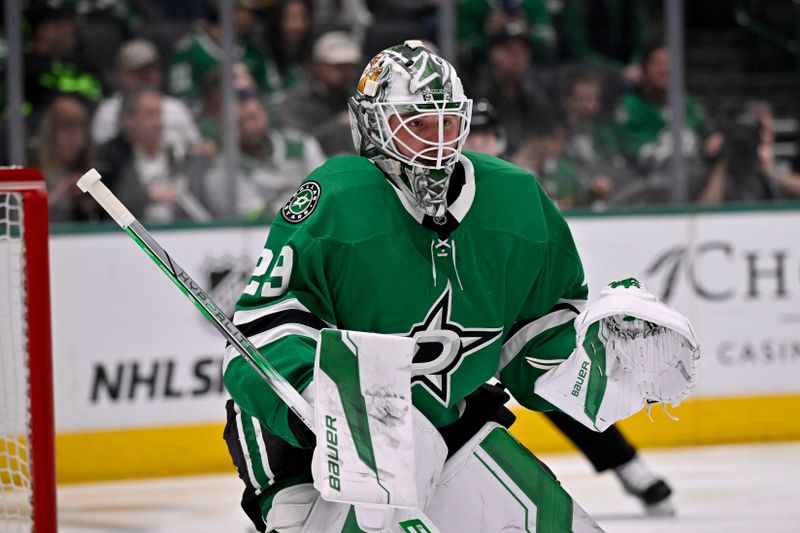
<point>15,459</point>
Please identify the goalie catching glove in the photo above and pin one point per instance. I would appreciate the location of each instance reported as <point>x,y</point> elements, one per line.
<point>632,350</point>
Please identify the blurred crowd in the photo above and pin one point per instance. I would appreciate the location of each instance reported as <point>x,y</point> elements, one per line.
<point>573,90</point>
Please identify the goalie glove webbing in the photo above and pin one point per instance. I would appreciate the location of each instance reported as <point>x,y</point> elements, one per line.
<point>631,350</point>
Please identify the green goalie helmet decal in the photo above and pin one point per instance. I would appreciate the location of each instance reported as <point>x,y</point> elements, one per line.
<point>410,82</point>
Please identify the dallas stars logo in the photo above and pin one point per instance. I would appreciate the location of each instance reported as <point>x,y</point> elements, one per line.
<point>442,345</point>
<point>302,202</point>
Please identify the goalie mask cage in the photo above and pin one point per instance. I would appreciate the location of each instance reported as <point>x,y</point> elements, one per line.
<point>27,458</point>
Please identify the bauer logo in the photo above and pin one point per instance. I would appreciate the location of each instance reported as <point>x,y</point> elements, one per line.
<point>302,202</point>
<point>576,388</point>
<point>332,443</point>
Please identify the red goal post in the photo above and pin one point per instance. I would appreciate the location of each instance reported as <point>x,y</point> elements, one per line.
<point>27,454</point>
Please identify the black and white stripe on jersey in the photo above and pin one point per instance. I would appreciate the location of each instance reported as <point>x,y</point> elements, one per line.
<point>272,321</point>
<point>265,325</point>
<point>517,326</point>
<point>524,331</point>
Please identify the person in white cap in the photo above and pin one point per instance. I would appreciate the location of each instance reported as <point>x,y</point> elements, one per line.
<point>138,66</point>
<point>318,104</point>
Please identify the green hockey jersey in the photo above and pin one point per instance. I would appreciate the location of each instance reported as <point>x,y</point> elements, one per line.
<point>490,290</point>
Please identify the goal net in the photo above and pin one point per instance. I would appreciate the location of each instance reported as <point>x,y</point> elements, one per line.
<point>27,474</point>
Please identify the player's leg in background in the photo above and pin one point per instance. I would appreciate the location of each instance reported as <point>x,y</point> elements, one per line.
<point>494,483</point>
<point>610,450</point>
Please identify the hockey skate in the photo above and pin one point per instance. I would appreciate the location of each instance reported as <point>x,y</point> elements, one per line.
<point>653,492</point>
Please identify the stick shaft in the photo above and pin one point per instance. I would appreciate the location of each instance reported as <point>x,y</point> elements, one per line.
<point>224,325</point>
<point>90,182</point>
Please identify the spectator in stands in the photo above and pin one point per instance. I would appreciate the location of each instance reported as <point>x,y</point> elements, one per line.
<point>642,130</point>
<point>486,134</point>
<point>184,10</point>
<point>478,20</point>
<point>786,173</point>
<point>138,65</point>
<point>542,154</point>
<point>289,39</point>
<point>103,26</point>
<point>197,53</point>
<point>750,172</point>
<point>399,20</point>
<point>611,32</point>
<point>51,67</point>
<point>350,15</point>
<point>211,103</point>
<point>318,104</point>
<point>511,84</point>
<point>63,151</point>
<point>790,183</point>
<point>782,177</point>
<point>271,166</point>
<point>143,168</point>
<point>590,143</point>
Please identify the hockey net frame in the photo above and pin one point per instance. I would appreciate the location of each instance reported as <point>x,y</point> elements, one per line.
<point>31,488</point>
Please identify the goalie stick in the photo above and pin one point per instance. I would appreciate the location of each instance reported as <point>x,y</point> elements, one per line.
<point>91,182</point>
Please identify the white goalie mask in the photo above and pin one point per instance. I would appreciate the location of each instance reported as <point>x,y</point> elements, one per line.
<point>411,117</point>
